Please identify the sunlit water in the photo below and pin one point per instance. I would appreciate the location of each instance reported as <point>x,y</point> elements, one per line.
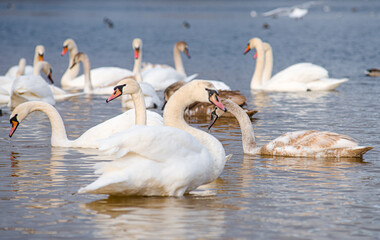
<point>255,197</point>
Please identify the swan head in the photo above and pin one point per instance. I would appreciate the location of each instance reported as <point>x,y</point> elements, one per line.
<point>18,115</point>
<point>201,91</point>
<point>68,44</point>
<point>79,57</point>
<point>45,67</point>
<point>137,45</point>
<point>253,44</point>
<point>40,51</point>
<point>182,46</point>
<point>126,86</point>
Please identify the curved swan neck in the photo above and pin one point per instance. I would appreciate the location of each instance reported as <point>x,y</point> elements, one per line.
<point>70,73</point>
<point>268,67</point>
<point>88,88</point>
<point>173,117</point>
<point>248,135</point>
<point>140,109</point>
<point>178,60</point>
<point>257,76</point>
<point>58,131</point>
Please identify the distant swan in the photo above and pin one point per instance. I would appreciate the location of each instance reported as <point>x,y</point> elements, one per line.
<point>150,96</point>
<point>100,77</point>
<point>169,160</point>
<point>22,68</point>
<point>298,77</point>
<point>88,139</point>
<point>308,143</point>
<point>32,87</point>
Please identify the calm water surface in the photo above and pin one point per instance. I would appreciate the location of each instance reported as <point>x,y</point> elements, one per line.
<point>255,197</point>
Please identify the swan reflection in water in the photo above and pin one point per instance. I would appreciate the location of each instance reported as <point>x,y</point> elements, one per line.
<point>145,217</point>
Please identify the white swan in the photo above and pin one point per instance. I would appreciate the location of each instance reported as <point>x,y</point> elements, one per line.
<point>161,76</point>
<point>150,96</point>
<point>100,77</point>
<point>88,88</point>
<point>298,77</point>
<point>90,138</point>
<point>71,72</point>
<point>166,160</point>
<point>32,87</point>
<point>16,71</point>
<point>308,143</point>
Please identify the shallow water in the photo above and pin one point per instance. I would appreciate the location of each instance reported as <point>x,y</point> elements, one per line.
<point>255,197</point>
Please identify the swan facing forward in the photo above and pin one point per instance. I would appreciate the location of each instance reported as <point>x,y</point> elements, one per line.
<point>166,160</point>
<point>90,138</point>
<point>298,77</point>
<point>308,143</point>
<point>22,68</point>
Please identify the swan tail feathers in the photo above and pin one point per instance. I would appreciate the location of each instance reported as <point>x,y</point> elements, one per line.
<point>357,151</point>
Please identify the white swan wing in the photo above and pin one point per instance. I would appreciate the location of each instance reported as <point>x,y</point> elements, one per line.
<point>117,124</point>
<point>31,88</point>
<point>153,161</point>
<point>300,72</point>
<point>161,78</point>
<point>102,77</point>
<point>151,98</point>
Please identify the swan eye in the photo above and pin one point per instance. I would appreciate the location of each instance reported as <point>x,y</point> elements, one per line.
<point>211,92</point>
<point>120,87</point>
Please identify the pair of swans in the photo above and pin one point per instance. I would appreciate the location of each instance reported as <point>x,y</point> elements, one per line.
<point>90,137</point>
<point>101,77</point>
<point>93,81</point>
<point>308,143</point>
<point>34,87</point>
<point>22,68</point>
<point>298,77</point>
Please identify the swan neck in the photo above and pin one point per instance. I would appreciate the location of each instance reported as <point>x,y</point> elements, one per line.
<point>73,72</point>
<point>88,88</point>
<point>37,69</point>
<point>178,61</point>
<point>137,68</point>
<point>173,117</point>
<point>258,74</point>
<point>268,67</point>
<point>21,67</point>
<point>247,133</point>
<point>140,109</point>
<point>58,131</point>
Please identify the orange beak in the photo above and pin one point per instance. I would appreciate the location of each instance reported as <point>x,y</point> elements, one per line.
<point>117,93</point>
<point>64,51</point>
<point>247,49</point>
<point>40,57</point>
<point>14,124</point>
<point>215,100</point>
<point>137,53</point>
<point>186,51</point>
